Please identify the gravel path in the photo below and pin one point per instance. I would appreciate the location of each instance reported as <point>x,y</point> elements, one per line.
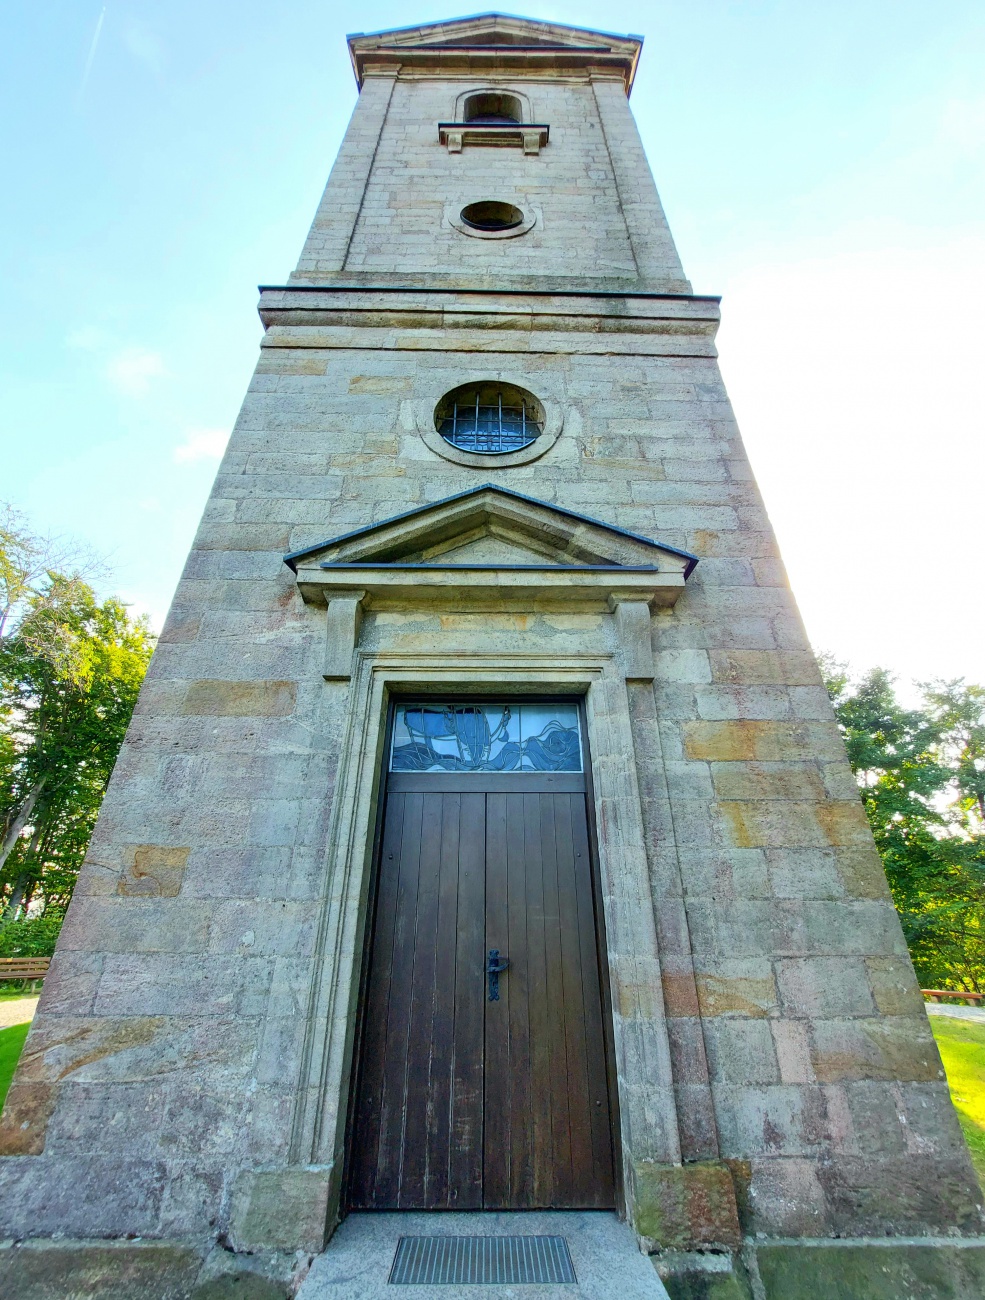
<point>16,1011</point>
<point>955,1012</point>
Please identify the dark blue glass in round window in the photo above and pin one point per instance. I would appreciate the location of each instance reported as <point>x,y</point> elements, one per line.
<point>491,419</point>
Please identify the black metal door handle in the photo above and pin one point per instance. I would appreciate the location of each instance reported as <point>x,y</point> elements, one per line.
<point>494,968</point>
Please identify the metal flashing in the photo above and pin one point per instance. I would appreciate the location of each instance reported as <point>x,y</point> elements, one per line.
<point>497,568</point>
<point>293,556</point>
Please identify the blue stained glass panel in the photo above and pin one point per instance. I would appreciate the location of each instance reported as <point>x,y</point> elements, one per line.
<point>435,737</point>
<point>549,738</point>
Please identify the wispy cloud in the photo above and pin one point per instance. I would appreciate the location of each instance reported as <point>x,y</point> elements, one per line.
<point>92,54</point>
<point>145,46</point>
<point>89,338</point>
<point>961,126</point>
<point>202,444</point>
<point>129,369</point>
<point>132,371</point>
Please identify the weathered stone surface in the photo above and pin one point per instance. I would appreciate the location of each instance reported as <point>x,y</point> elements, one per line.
<point>282,1209</point>
<point>894,986</point>
<point>190,1067</point>
<point>901,1196</point>
<point>742,988</point>
<point>884,1271</point>
<point>156,871</point>
<point>686,1207</point>
<point>24,1122</point>
<point>761,740</point>
<point>81,1196</point>
<point>101,1271</point>
<point>241,1286</point>
<point>837,1271</point>
<point>704,1277</point>
<point>239,699</point>
<point>788,781</point>
<point>752,667</point>
<point>897,1047</point>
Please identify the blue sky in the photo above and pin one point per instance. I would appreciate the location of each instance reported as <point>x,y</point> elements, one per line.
<point>821,163</point>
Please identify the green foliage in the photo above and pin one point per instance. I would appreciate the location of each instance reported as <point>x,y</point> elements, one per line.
<point>70,670</point>
<point>921,774</point>
<point>33,936</point>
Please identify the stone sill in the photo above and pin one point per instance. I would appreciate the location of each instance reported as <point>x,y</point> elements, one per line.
<point>530,136</point>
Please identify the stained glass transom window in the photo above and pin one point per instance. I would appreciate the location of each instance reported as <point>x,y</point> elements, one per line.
<point>435,737</point>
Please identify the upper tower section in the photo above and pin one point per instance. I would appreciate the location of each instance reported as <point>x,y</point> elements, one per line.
<point>493,152</point>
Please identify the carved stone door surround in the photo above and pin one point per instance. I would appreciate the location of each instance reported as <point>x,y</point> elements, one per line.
<point>431,561</point>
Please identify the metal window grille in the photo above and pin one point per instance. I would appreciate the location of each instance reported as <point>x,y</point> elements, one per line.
<point>489,430</point>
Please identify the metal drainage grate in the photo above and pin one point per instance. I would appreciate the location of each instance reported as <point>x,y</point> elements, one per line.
<point>488,1261</point>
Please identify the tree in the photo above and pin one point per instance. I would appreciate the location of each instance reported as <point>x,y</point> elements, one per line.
<point>921,775</point>
<point>70,670</point>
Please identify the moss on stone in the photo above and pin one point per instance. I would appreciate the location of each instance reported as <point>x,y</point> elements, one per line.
<point>111,1272</point>
<point>706,1286</point>
<point>685,1207</point>
<point>240,1286</point>
<point>878,1272</point>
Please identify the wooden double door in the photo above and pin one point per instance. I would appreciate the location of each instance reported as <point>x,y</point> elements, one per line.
<point>483,1078</point>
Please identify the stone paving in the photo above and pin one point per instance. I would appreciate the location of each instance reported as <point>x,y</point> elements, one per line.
<point>606,1259</point>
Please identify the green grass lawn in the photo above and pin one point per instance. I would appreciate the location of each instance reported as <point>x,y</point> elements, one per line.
<point>11,1042</point>
<point>962,1048</point>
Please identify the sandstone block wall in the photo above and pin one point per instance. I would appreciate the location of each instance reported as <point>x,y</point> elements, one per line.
<point>394,191</point>
<point>162,1079</point>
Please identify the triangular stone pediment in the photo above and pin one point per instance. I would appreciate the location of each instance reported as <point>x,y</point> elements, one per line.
<point>493,525</point>
<point>492,29</point>
<point>489,542</point>
<point>499,35</point>
<point>510,42</point>
<point>491,549</point>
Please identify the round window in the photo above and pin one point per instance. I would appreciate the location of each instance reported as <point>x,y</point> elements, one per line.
<point>491,419</point>
<point>491,214</point>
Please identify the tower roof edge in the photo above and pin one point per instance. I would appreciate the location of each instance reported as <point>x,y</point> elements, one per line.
<point>482,41</point>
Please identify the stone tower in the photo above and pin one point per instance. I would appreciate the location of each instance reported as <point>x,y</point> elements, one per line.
<point>483,837</point>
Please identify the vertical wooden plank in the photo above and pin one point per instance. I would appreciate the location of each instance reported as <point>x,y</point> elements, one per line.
<point>418,1116</point>
<point>366,1138</point>
<point>465,1157</point>
<point>580,1126</point>
<point>497,1144</point>
<point>556,1036</point>
<point>517,981</point>
<point>436,1136</point>
<point>538,1117</point>
<point>464,1103</point>
<point>394,1092</point>
<point>599,1189</point>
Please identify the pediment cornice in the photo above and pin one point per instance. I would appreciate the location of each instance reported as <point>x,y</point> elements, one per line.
<point>492,42</point>
<point>492,547</point>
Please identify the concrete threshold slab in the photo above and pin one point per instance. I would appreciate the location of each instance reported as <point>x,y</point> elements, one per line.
<point>607,1261</point>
